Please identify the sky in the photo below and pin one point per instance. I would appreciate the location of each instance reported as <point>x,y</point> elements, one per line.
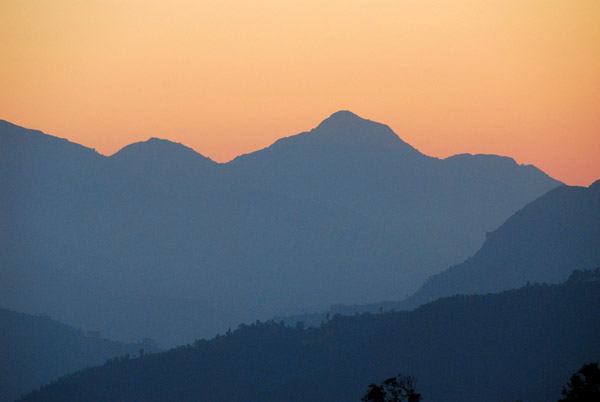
<point>519,78</point>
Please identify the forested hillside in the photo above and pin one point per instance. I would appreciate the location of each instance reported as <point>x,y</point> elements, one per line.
<point>516,345</point>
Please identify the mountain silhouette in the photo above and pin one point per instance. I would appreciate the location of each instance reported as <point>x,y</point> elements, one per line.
<point>540,243</point>
<point>342,135</point>
<point>161,155</point>
<point>516,345</point>
<point>38,349</point>
<point>171,245</point>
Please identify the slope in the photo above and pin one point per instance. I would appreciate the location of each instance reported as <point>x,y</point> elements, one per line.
<point>514,345</point>
<point>436,208</point>
<point>37,349</point>
<point>542,242</point>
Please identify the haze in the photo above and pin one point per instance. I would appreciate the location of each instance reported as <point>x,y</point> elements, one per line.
<point>518,78</point>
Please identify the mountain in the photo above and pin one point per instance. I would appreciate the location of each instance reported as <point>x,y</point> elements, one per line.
<point>161,157</point>
<point>37,349</point>
<point>516,345</point>
<point>540,243</point>
<point>434,209</point>
<point>171,245</point>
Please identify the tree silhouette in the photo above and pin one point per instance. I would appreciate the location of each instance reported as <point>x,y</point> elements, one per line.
<point>394,389</point>
<point>584,385</point>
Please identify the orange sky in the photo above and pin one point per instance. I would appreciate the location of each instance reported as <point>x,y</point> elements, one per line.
<point>510,77</point>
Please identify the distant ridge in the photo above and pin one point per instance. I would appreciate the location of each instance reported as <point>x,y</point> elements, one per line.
<point>344,213</point>
<point>343,134</point>
<point>19,142</point>
<point>347,125</point>
<point>165,158</point>
<point>538,244</point>
<point>557,232</point>
<point>154,148</point>
<point>37,349</point>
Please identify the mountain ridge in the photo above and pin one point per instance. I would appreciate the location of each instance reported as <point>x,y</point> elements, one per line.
<point>569,241</point>
<point>327,223</point>
<point>162,157</point>
<point>341,119</point>
<point>559,229</point>
<point>335,134</point>
<point>152,146</point>
<point>37,349</point>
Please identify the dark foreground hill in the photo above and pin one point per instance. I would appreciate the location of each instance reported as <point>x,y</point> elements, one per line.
<point>37,349</point>
<point>344,213</point>
<point>516,345</point>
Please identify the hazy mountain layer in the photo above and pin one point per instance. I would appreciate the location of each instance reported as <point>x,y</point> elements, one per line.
<point>36,349</point>
<point>160,241</point>
<point>540,243</point>
<point>516,345</point>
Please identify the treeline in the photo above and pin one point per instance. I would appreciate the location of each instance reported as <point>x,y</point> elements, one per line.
<point>516,345</point>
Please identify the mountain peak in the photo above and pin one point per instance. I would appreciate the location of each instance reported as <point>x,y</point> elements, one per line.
<point>159,150</point>
<point>345,127</point>
<point>344,115</point>
<point>154,147</point>
<point>343,134</point>
<point>346,120</point>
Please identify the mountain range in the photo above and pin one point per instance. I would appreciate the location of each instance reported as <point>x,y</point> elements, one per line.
<point>159,241</point>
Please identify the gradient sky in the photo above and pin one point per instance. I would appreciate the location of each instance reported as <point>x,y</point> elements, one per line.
<point>510,77</point>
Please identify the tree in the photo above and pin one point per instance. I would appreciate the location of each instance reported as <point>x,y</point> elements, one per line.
<point>394,389</point>
<point>584,386</point>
